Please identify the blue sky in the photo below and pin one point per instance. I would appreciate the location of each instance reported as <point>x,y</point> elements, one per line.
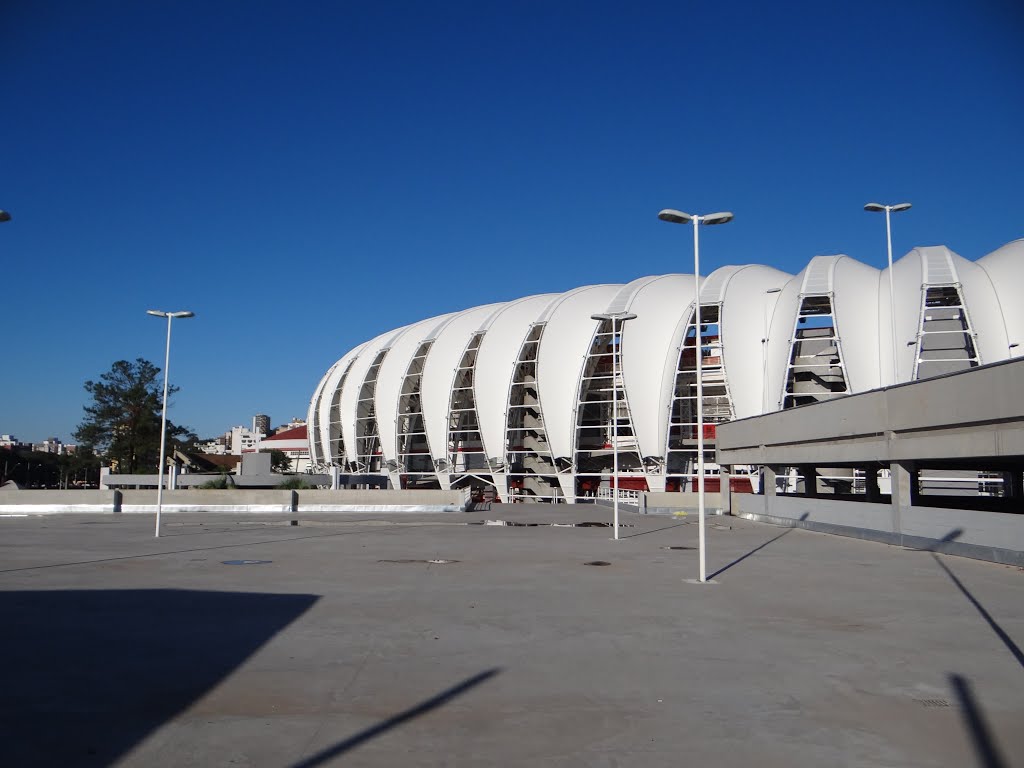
<point>305,177</point>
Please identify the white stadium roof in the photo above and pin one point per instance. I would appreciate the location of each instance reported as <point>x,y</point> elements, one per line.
<point>517,394</point>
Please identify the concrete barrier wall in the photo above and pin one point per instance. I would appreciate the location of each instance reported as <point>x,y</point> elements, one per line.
<point>665,503</point>
<point>993,536</point>
<point>237,500</point>
<point>8,497</point>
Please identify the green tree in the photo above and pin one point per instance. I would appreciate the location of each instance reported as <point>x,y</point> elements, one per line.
<point>279,461</point>
<point>122,423</point>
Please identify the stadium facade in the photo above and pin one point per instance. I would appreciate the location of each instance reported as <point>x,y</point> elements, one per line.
<point>521,395</point>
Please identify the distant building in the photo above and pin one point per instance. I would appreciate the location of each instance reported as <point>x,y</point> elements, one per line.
<point>261,423</point>
<point>293,424</point>
<point>294,443</point>
<point>53,445</point>
<point>10,441</point>
<point>217,447</point>
<point>243,440</point>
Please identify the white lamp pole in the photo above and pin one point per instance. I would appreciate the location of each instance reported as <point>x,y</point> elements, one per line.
<point>764,353</point>
<point>163,419</point>
<point>678,217</point>
<point>889,209</point>
<point>623,316</point>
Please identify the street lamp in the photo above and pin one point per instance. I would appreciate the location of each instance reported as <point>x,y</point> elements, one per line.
<point>889,209</point>
<point>678,217</point>
<point>615,317</point>
<point>163,419</point>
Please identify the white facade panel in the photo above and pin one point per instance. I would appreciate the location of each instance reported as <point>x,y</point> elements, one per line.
<point>567,338</point>
<point>505,331</point>
<point>1003,268</point>
<point>354,382</point>
<point>439,374</point>
<point>390,379</point>
<point>320,431</point>
<point>855,296</point>
<point>983,308</point>
<point>661,305</point>
<point>743,324</point>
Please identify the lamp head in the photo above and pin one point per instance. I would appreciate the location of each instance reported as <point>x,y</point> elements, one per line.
<point>5,216</point>
<point>724,217</point>
<point>874,207</point>
<point>899,207</point>
<point>156,313</point>
<point>673,216</point>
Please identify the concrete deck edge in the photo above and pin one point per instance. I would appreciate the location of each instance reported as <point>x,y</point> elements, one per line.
<point>974,551</point>
<point>64,509</point>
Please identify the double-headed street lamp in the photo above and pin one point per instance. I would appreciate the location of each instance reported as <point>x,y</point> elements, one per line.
<point>890,209</point>
<point>615,317</point>
<point>163,420</point>
<point>678,217</point>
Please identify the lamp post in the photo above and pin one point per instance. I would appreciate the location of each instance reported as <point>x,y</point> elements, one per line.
<point>678,217</point>
<point>764,353</point>
<point>615,318</point>
<point>889,209</point>
<point>163,419</point>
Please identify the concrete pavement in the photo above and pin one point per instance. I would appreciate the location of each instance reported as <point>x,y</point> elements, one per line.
<point>348,647</point>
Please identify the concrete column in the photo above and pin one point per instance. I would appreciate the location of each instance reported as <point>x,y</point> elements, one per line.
<point>1015,483</point>
<point>871,484</point>
<point>903,478</point>
<point>656,483</point>
<point>335,477</point>
<point>810,480</point>
<point>769,488</point>
<point>725,488</point>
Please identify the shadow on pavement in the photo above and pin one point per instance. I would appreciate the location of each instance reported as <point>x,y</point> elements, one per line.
<point>740,559</point>
<point>322,757</point>
<point>1011,646</point>
<point>89,674</point>
<point>981,736</point>
<point>654,530</point>
<point>213,547</point>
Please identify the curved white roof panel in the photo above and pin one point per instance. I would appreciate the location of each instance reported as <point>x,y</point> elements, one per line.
<point>568,335</point>
<point>327,400</point>
<point>855,296</point>
<point>744,301</point>
<point>439,374</point>
<point>661,305</point>
<point>354,382</point>
<point>392,375</point>
<point>505,331</point>
<point>1003,269</point>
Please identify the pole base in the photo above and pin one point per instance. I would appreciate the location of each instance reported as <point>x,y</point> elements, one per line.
<point>698,581</point>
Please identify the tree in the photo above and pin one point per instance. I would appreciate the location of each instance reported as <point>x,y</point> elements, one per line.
<point>122,423</point>
<point>279,461</point>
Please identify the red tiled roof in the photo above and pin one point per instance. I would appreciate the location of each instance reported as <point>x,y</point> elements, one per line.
<point>296,433</point>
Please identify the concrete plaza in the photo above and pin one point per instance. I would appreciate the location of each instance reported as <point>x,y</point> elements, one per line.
<point>349,647</point>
